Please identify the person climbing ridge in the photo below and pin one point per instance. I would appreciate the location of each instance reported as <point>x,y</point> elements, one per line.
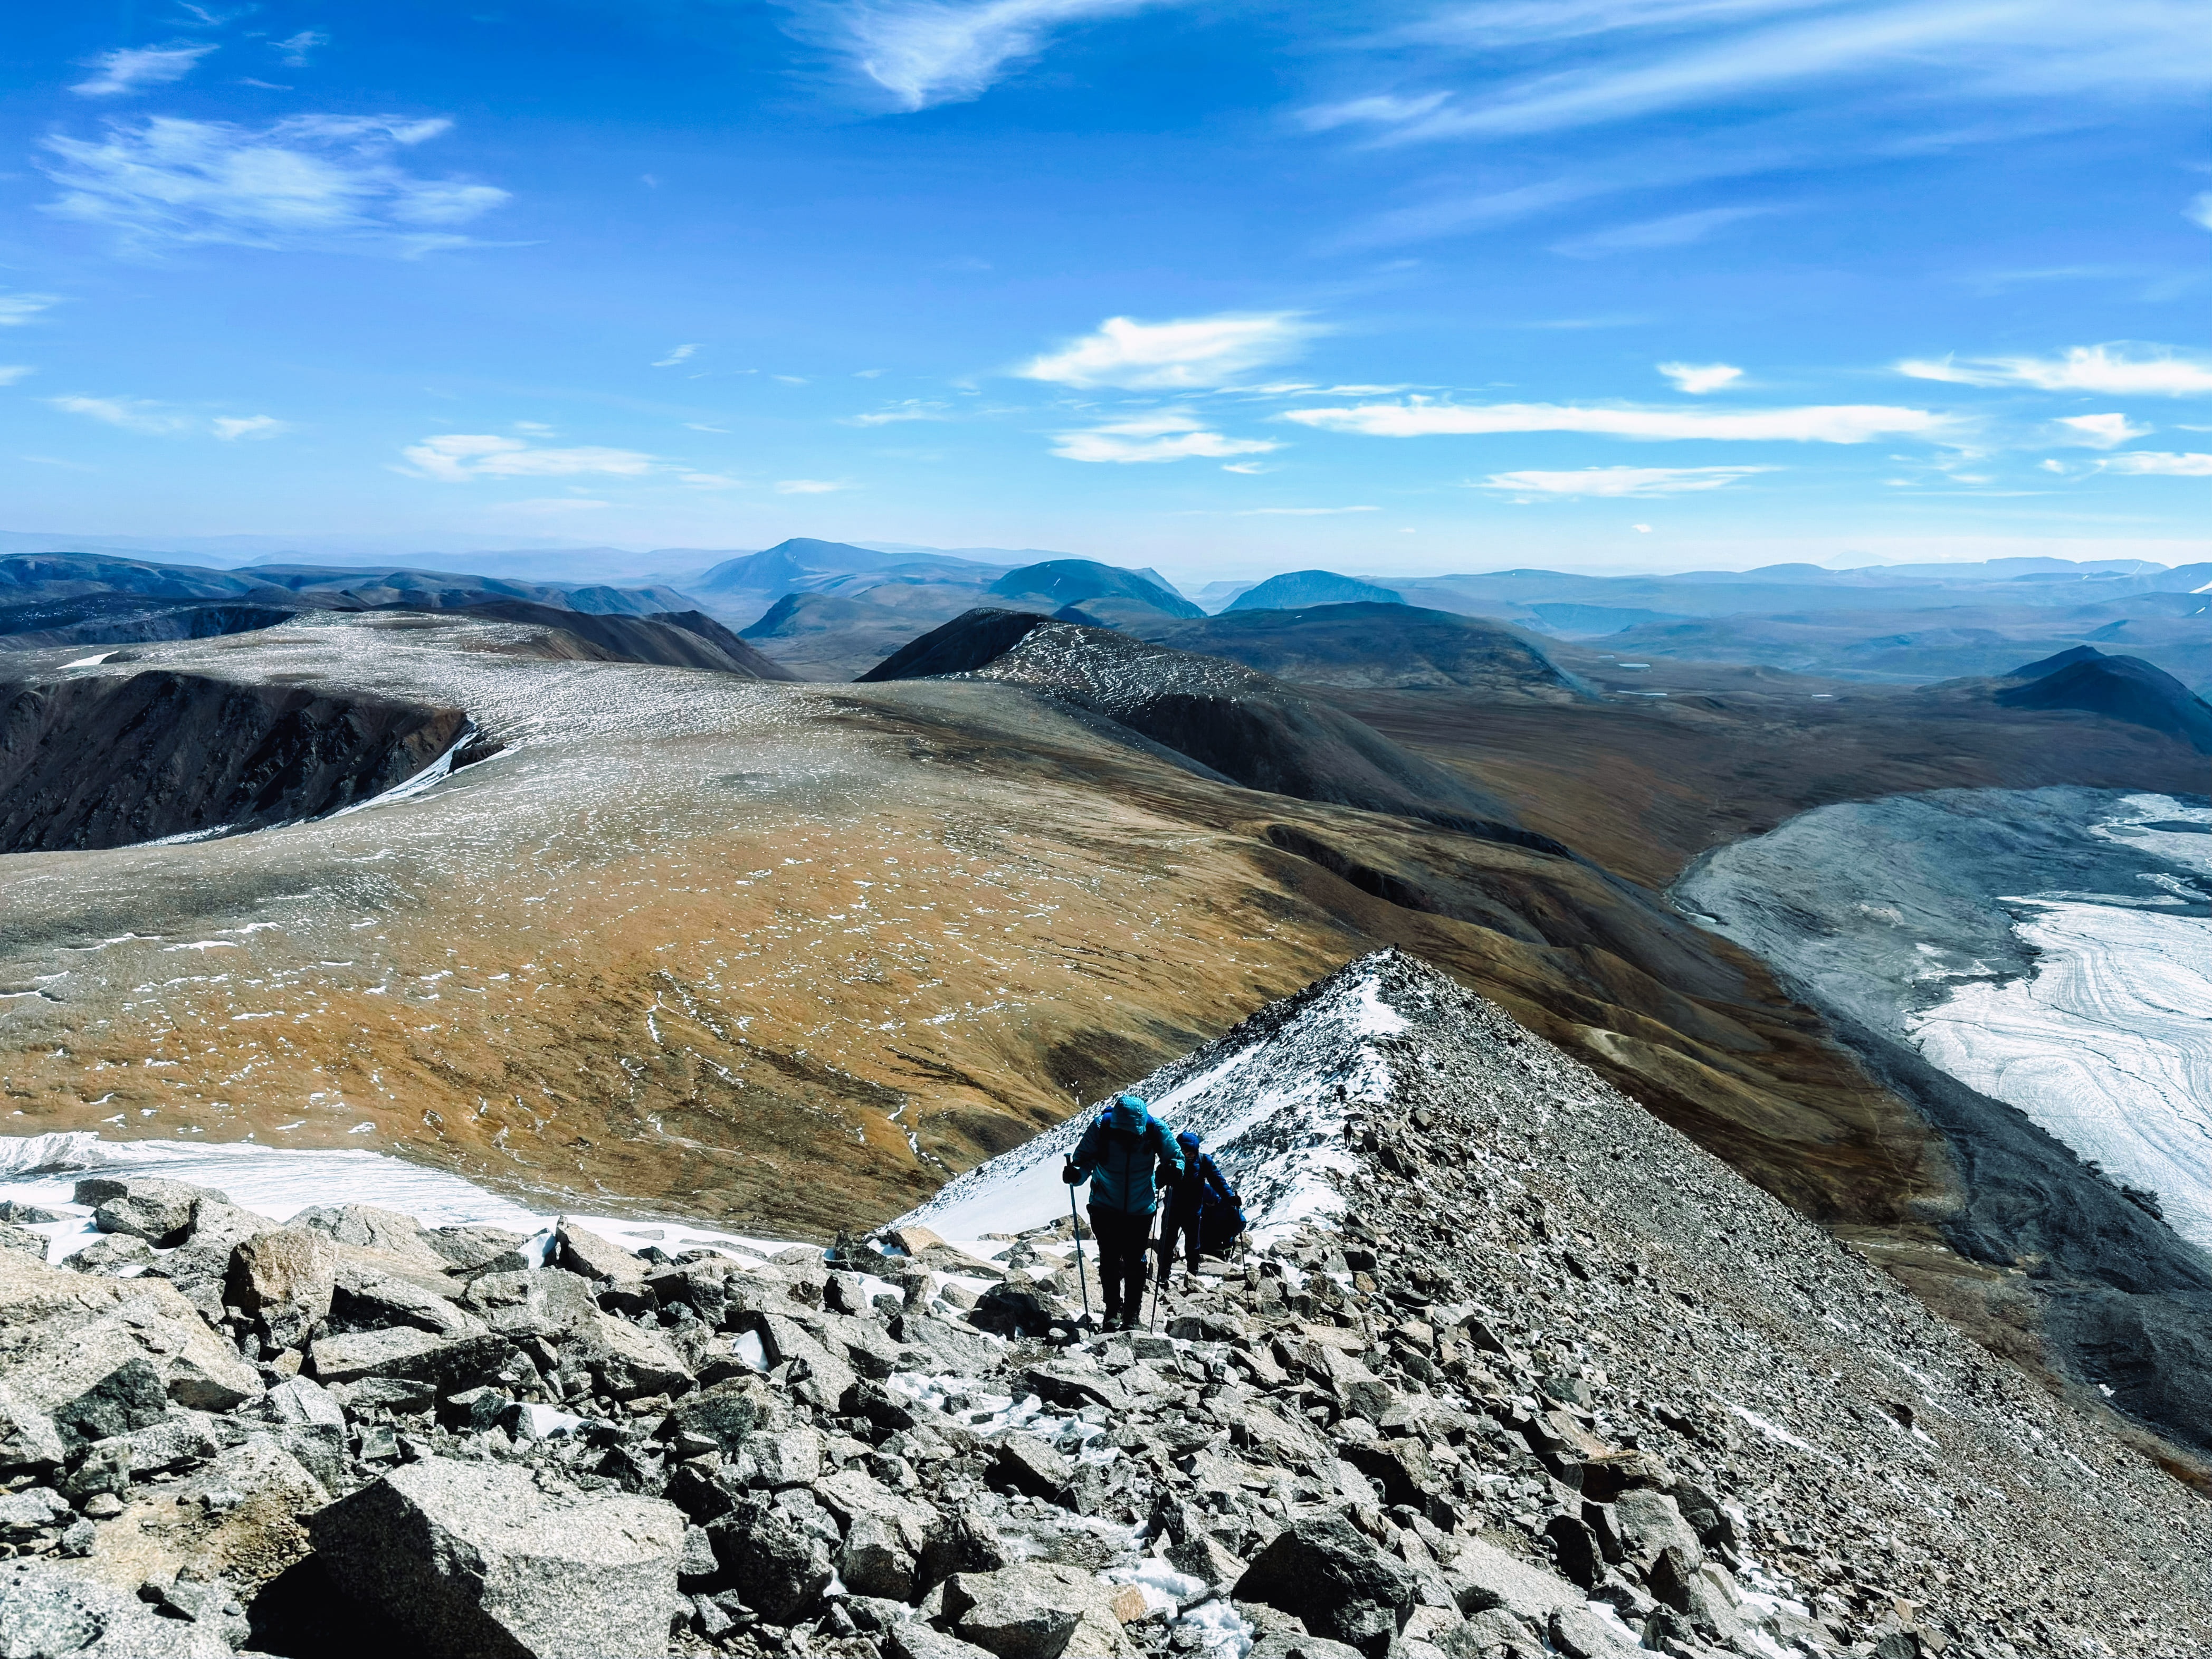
<point>1122,1155</point>
<point>1194,1207</point>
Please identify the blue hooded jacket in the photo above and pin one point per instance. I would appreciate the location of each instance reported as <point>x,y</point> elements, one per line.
<point>1202,1187</point>
<point>1118,1154</point>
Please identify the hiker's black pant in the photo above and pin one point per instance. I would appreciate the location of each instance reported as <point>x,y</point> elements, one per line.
<point>1179,1229</point>
<point>1121,1240</point>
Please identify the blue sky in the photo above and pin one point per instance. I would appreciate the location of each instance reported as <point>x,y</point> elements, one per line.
<point>1221,288</point>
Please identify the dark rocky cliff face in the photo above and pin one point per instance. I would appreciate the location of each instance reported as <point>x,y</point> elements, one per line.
<point>105,761</point>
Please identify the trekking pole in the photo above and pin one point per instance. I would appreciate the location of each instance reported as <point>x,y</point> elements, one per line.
<point>1152,1319</point>
<point>1076,1223</point>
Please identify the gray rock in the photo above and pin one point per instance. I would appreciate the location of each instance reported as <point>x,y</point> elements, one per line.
<point>474,1558</point>
<point>1026,1464</point>
<point>284,1280</point>
<point>912,1640</point>
<point>143,1207</point>
<point>1024,1612</point>
<point>28,1438</point>
<point>779,1566</point>
<point>786,1341</point>
<point>367,1298</point>
<point>407,1354</point>
<point>471,1250</point>
<point>1326,1572</point>
<point>1481,1576</point>
<point>583,1252</point>
<point>1580,1634</point>
<point>34,1510</point>
<point>178,1442</point>
<point>49,1612</point>
<point>550,1304</point>
<point>1648,1522</point>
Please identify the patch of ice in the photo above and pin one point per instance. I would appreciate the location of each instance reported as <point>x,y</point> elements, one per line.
<point>2105,1045</point>
<point>93,661</point>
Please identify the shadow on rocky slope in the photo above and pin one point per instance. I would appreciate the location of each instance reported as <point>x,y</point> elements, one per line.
<point>107,760</point>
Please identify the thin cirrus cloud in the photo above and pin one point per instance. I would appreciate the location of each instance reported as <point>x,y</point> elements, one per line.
<point>682,354</point>
<point>321,182</point>
<point>463,457</point>
<point>1188,354</point>
<point>17,309</point>
<point>925,51</point>
<point>1697,379</point>
<point>1986,48</point>
<point>809,486</point>
<point>1417,417</point>
<point>231,428</point>
<point>11,373</point>
<point>2151,463</point>
<point>2099,431</point>
<point>293,51</point>
<point>2104,368</point>
<point>1674,230</point>
<point>143,414</point>
<point>1617,482</point>
<point>911,408</point>
<point>1170,435</point>
<point>133,69</point>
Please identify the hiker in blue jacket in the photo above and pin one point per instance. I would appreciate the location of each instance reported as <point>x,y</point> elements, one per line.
<point>1121,1155</point>
<point>1200,1191</point>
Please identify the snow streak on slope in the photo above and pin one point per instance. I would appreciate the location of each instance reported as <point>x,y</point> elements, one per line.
<point>1268,1100</point>
<point>280,1182</point>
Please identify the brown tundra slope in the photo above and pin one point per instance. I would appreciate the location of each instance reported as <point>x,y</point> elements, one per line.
<point>787,955</point>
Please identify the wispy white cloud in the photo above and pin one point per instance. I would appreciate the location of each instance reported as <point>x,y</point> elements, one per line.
<point>711,481</point>
<point>229,427</point>
<point>1170,435</point>
<point>1613,482</point>
<point>133,69</point>
<point>1247,468</point>
<point>329,182</point>
<point>458,458</point>
<point>131,414</point>
<point>928,52</point>
<point>2199,211</point>
<point>2105,368</point>
<point>2148,461</point>
<point>11,373</point>
<point>1417,417</point>
<point>1190,354</point>
<point>1675,230</point>
<point>912,409</point>
<point>809,486</point>
<point>1983,47</point>
<point>17,309</point>
<point>676,355</point>
<point>1299,511</point>
<point>292,51</point>
<point>2099,431</point>
<point>1698,379</point>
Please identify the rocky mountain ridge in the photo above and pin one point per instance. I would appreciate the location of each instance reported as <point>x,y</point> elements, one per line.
<point>1508,1368</point>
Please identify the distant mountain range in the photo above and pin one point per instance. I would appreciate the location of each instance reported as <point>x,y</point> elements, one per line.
<point>832,609</point>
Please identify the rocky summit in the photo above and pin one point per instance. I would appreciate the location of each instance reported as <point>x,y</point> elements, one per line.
<point>1503,1368</point>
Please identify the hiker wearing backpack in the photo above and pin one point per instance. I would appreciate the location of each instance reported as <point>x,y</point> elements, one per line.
<point>1192,1206</point>
<point>1125,1155</point>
